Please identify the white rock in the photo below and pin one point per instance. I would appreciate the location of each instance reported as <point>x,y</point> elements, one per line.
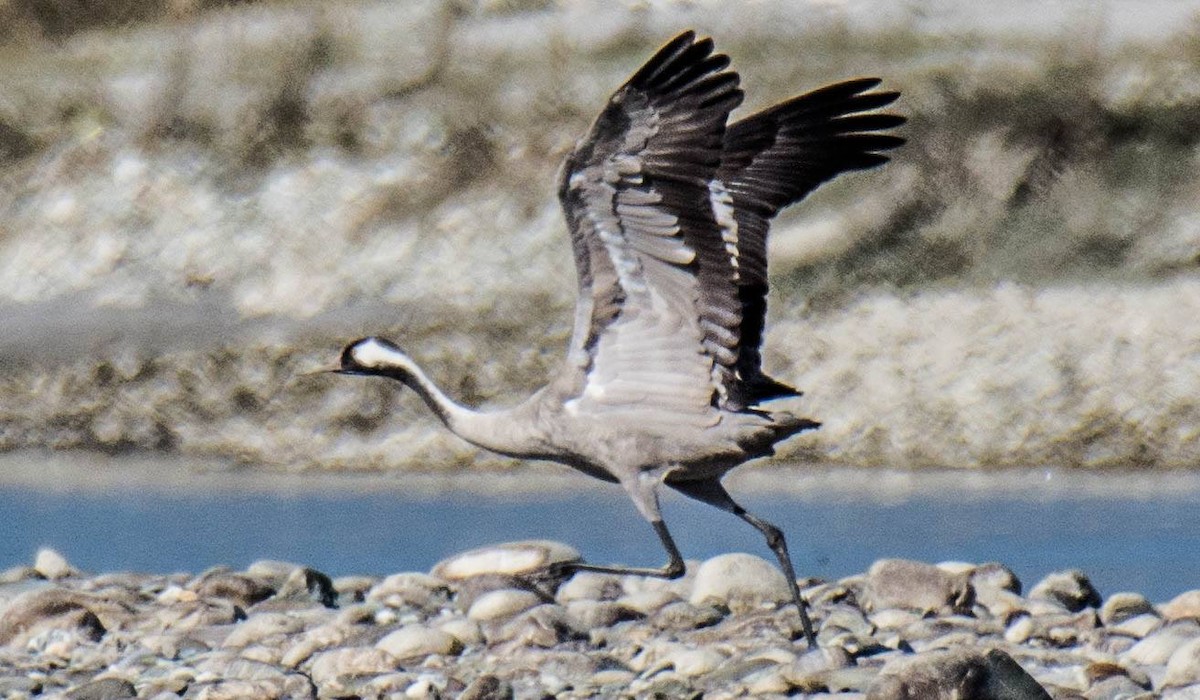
<point>417,640</point>
<point>739,579</point>
<point>511,558</point>
<point>1157,648</point>
<point>327,666</point>
<point>51,564</point>
<point>588,585</point>
<point>261,626</point>
<point>465,630</point>
<point>501,604</point>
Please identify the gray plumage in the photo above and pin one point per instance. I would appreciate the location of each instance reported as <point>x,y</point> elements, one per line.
<point>668,210</point>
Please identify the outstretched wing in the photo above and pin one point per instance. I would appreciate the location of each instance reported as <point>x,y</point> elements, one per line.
<point>775,158</point>
<point>657,318</point>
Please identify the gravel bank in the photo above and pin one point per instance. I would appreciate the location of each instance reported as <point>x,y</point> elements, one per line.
<point>485,624</point>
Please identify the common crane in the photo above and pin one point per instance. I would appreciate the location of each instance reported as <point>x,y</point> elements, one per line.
<point>668,210</point>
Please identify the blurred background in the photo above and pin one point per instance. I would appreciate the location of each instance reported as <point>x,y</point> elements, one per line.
<point>203,199</point>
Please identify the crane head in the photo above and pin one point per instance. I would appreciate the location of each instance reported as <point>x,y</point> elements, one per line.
<point>373,356</point>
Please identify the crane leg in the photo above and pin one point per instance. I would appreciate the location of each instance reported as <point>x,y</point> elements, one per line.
<point>643,489</point>
<point>714,494</point>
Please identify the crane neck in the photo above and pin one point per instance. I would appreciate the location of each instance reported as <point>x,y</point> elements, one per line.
<point>499,431</point>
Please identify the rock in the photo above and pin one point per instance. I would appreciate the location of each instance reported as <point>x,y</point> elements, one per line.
<point>51,564</point>
<point>417,640</point>
<point>308,584</point>
<point>55,608</point>
<point>260,626</point>
<point>1183,666</point>
<point>740,582</point>
<point>649,602</point>
<point>1185,606</point>
<point>511,558</point>
<point>1158,647</point>
<point>463,629</point>
<point>588,585</point>
<point>685,616</point>
<point>328,666</point>
<point>103,689</point>
<point>1138,626</point>
<point>543,626</point>
<point>502,604</point>
<point>411,589</point>
<point>1072,589</point>
<point>239,589</point>
<point>595,614</point>
<point>1122,606</point>
<point>994,577</point>
<point>912,585</point>
<point>958,673</point>
<point>487,687</point>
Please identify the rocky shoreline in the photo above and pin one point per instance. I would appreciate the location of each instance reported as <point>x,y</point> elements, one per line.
<point>487,624</point>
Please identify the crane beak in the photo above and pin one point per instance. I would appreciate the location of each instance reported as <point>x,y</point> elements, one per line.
<point>332,369</point>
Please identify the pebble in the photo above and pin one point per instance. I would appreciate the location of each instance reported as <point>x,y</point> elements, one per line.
<point>740,582</point>
<point>52,565</point>
<point>502,604</point>
<point>475,628</point>
<point>1186,605</point>
<point>913,585</point>
<point>1070,589</point>
<point>1123,606</point>
<point>418,640</point>
<point>512,559</point>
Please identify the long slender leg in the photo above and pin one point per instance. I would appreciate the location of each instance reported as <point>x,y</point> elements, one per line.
<point>643,489</point>
<point>714,494</point>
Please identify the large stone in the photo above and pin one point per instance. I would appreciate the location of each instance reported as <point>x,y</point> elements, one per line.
<point>1123,606</point>
<point>417,641</point>
<point>52,608</point>
<point>956,673</point>
<point>914,585</point>
<point>739,580</point>
<point>502,604</point>
<point>1183,667</point>
<point>51,564</point>
<point>1185,606</point>
<point>1071,589</point>
<point>1158,646</point>
<point>510,558</point>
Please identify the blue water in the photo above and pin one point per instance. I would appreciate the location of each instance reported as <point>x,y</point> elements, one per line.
<point>1141,545</point>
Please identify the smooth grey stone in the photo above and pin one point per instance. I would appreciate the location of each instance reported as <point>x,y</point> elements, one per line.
<point>1117,688</point>
<point>1157,648</point>
<point>914,585</point>
<point>487,687</point>
<point>740,582</point>
<point>51,564</point>
<point>417,640</point>
<point>502,604</point>
<point>1122,606</point>
<point>411,589</point>
<point>260,626</point>
<point>1071,588</point>
<point>1138,626</point>
<point>1183,667</point>
<point>239,589</point>
<point>327,666</point>
<point>684,616</point>
<point>103,689</point>
<point>509,558</point>
<point>956,673</point>
<point>1184,606</point>
<point>993,576</point>
<point>544,626</point>
<point>51,608</point>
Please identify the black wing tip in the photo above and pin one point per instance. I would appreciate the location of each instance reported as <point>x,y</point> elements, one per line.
<point>680,63</point>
